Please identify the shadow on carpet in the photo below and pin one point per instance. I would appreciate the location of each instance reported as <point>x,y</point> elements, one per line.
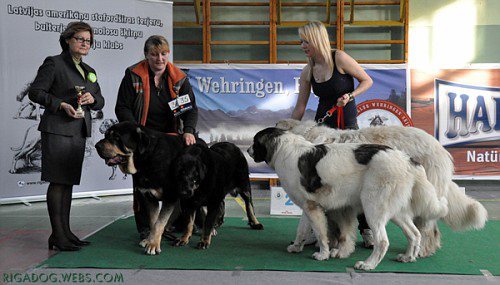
<point>237,247</point>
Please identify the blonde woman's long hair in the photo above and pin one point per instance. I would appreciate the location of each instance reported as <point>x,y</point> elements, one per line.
<point>317,36</point>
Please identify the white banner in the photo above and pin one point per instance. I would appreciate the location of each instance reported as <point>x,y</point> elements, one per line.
<point>30,32</point>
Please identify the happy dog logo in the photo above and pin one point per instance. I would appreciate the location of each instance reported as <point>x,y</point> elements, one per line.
<point>466,113</point>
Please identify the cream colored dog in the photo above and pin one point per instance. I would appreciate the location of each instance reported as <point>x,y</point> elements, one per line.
<point>464,212</point>
<point>343,180</point>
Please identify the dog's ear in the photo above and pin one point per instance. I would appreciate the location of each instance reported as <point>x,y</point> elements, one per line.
<point>270,141</point>
<point>196,150</point>
<point>202,170</point>
<point>265,143</point>
<point>143,140</point>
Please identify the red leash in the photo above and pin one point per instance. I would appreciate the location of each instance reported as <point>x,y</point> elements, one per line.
<point>340,116</point>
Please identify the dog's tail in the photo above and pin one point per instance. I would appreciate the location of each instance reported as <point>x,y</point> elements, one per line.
<point>465,212</point>
<point>425,199</point>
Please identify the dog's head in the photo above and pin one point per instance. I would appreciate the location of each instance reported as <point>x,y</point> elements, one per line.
<point>287,124</point>
<point>120,143</point>
<point>190,170</point>
<point>264,144</point>
<point>297,127</point>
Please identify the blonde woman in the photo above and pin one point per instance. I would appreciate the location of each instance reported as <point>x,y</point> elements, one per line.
<point>330,74</point>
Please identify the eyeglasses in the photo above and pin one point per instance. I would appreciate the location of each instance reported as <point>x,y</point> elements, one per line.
<point>82,40</point>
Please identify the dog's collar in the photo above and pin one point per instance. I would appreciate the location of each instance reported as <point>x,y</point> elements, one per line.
<point>310,129</point>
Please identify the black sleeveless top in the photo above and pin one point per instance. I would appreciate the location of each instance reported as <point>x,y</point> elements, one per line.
<point>328,93</point>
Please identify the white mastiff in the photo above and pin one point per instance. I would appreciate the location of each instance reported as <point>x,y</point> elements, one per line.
<point>343,180</point>
<point>464,212</point>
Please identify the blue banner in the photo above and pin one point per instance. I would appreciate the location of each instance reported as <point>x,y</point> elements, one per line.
<point>236,101</point>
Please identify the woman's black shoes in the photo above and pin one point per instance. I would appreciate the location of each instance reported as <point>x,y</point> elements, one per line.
<point>61,246</point>
<point>79,242</point>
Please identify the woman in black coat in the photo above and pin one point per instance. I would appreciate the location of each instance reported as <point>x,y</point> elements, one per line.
<point>63,129</point>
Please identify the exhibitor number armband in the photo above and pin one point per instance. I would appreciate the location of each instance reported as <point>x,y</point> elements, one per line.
<point>180,105</point>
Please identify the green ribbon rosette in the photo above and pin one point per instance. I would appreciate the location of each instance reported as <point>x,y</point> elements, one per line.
<point>92,77</point>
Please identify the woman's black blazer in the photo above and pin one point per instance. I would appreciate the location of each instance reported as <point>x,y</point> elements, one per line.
<point>55,83</point>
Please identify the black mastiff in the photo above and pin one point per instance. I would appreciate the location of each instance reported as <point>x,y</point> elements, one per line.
<point>149,155</point>
<point>204,177</point>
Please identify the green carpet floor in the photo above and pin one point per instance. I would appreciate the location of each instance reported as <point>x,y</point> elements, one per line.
<point>237,247</point>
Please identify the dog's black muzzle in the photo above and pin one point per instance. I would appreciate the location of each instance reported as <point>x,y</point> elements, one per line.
<point>99,146</point>
<point>250,151</point>
<point>187,191</point>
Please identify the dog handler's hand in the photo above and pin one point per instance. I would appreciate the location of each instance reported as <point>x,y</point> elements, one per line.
<point>69,110</point>
<point>342,101</point>
<point>87,99</point>
<point>189,139</point>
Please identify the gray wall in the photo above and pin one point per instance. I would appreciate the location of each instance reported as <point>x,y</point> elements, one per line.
<point>454,32</point>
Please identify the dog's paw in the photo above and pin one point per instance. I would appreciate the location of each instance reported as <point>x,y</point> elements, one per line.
<point>430,242</point>
<point>424,254</point>
<point>214,232</point>
<point>181,242</point>
<point>202,245</point>
<point>426,250</point>
<point>340,253</point>
<point>143,242</point>
<point>294,248</point>
<point>152,248</point>
<point>321,255</point>
<point>405,258</point>
<point>254,226</point>
<point>361,265</point>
